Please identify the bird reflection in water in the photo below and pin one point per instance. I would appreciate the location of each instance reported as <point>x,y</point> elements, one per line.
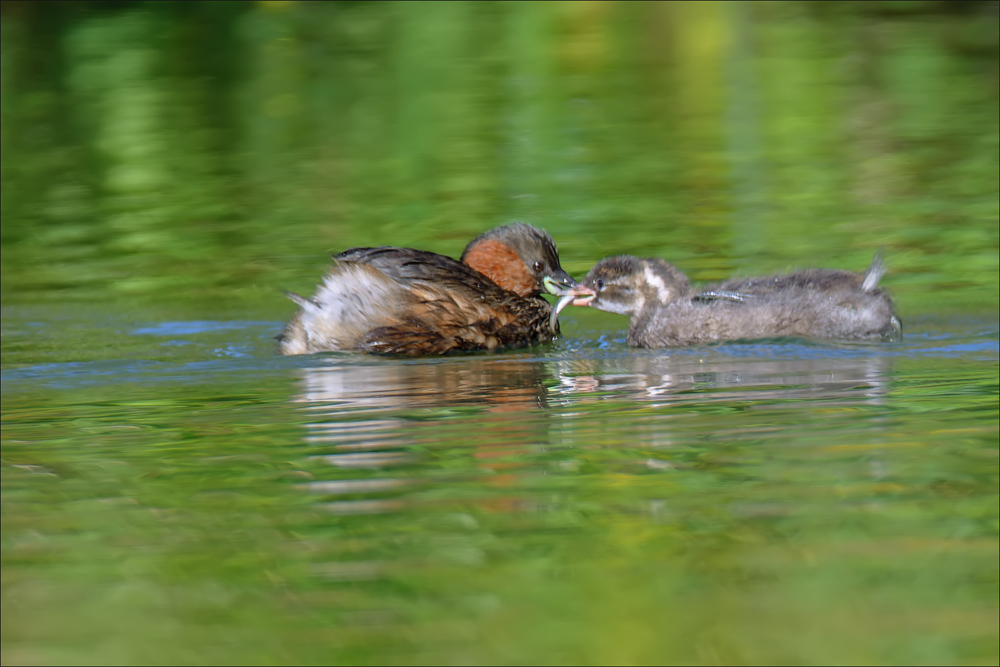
<point>452,439</point>
<point>672,384</point>
<point>393,413</point>
<point>678,377</point>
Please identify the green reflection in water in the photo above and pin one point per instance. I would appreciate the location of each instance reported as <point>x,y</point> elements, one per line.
<point>500,509</point>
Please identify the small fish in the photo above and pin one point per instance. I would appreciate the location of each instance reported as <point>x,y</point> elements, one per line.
<point>563,302</point>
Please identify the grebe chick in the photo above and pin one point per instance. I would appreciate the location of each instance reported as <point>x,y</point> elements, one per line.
<point>666,311</point>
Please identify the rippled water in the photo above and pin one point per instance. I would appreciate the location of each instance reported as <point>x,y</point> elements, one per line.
<point>197,498</point>
<point>174,492</point>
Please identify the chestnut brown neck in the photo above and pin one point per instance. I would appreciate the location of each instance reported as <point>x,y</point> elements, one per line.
<point>497,261</point>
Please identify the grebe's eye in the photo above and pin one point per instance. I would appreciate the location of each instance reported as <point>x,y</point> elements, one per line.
<point>600,284</point>
<point>538,267</point>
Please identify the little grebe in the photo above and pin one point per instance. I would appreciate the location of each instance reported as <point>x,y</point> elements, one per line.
<point>666,311</point>
<point>403,301</point>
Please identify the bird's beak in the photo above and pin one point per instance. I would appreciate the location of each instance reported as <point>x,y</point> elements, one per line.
<point>582,296</point>
<point>559,283</point>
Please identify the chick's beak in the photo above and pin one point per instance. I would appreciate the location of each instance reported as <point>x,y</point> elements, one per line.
<point>582,296</point>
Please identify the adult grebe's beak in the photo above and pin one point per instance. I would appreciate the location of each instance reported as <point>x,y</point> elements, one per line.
<point>558,283</point>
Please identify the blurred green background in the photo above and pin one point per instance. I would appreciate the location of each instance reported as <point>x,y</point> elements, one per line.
<point>210,153</point>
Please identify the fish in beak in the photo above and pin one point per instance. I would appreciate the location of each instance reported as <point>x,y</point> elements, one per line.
<point>578,295</point>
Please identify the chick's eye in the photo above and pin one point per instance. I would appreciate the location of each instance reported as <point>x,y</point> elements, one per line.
<point>538,267</point>
<point>599,284</point>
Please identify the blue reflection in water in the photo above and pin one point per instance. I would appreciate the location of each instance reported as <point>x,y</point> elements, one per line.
<point>195,327</point>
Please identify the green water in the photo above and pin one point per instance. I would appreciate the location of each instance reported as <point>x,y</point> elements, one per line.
<point>173,492</point>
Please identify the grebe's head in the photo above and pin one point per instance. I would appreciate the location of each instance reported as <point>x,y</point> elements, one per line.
<point>519,258</point>
<point>625,284</point>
